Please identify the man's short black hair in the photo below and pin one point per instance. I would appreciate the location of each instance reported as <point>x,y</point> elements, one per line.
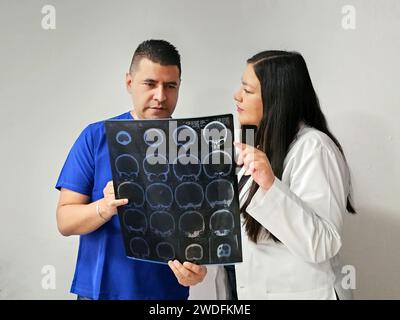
<point>158,51</point>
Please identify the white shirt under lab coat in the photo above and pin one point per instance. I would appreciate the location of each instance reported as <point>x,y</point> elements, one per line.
<point>305,211</point>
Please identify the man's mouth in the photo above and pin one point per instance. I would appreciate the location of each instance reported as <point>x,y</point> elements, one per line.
<point>157,108</point>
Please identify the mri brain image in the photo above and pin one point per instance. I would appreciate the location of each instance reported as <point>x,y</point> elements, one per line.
<point>156,168</point>
<point>187,168</point>
<point>189,195</point>
<point>217,164</point>
<point>127,166</point>
<point>191,223</point>
<point>159,196</point>
<point>219,192</point>
<point>184,136</point>
<point>139,247</point>
<point>154,137</point>
<point>133,192</point>
<point>194,252</point>
<point>165,251</point>
<point>215,133</point>
<point>162,223</point>
<point>222,222</point>
<point>135,221</point>
<point>224,250</point>
<point>123,138</point>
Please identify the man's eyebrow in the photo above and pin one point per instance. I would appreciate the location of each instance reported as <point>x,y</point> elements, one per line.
<point>149,80</point>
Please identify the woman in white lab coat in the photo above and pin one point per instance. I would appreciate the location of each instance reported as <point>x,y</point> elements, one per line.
<point>298,188</point>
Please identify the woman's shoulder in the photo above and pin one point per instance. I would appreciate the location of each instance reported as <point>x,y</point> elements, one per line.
<point>310,140</point>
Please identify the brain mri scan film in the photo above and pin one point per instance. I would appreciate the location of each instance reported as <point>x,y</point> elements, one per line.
<point>179,176</point>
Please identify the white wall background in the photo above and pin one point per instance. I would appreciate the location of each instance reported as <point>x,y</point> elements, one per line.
<point>55,82</point>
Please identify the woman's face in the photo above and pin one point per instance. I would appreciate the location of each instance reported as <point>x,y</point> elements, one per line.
<point>248,98</point>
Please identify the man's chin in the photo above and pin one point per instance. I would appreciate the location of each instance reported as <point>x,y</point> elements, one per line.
<point>157,113</point>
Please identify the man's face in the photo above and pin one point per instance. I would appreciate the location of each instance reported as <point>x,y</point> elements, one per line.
<point>154,89</point>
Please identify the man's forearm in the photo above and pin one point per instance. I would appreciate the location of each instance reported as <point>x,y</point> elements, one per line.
<point>77,219</point>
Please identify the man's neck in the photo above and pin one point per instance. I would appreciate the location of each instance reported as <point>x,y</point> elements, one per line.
<point>134,115</point>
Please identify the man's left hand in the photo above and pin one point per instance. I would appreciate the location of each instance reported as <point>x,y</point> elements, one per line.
<point>188,274</point>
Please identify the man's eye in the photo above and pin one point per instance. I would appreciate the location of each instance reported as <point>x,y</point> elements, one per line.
<point>149,84</point>
<point>171,86</point>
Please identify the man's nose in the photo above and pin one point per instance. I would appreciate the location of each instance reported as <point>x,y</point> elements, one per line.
<point>159,95</point>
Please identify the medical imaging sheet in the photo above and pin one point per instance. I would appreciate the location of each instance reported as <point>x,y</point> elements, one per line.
<point>180,178</point>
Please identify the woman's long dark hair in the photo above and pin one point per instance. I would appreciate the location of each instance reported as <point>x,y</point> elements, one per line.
<point>288,100</point>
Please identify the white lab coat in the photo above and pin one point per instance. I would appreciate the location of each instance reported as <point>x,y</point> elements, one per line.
<point>305,211</point>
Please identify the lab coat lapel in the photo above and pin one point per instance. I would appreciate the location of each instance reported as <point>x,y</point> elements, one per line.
<point>245,188</point>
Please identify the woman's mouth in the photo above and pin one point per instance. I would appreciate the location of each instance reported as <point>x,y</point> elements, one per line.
<point>239,109</point>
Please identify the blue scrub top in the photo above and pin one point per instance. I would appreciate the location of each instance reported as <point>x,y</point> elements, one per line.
<point>102,270</point>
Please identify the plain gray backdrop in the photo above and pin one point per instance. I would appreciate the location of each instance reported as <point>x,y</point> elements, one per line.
<point>55,82</point>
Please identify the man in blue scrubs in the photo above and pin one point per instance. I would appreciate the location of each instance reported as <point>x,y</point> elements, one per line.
<point>87,204</point>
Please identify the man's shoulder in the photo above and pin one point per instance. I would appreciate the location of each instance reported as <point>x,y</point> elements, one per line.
<point>97,128</point>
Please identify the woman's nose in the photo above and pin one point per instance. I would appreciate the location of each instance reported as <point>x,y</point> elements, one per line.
<point>237,96</point>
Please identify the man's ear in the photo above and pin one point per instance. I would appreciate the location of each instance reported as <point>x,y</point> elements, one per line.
<point>128,81</point>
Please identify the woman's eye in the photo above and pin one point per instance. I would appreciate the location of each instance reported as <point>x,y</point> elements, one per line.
<point>247,91</point>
